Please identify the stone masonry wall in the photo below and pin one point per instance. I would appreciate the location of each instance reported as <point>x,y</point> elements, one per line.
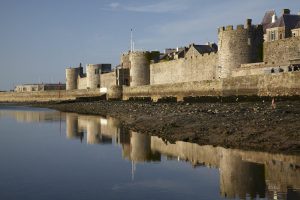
<point>194,67</point>
<point>280,52</point>
<point>82,83</point>
<point>45,96</point>
<point>278,84</point>
<point>107,80</point>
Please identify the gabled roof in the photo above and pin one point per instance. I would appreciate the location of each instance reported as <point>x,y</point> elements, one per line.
<point>268,17</point>
<point>267,20</point>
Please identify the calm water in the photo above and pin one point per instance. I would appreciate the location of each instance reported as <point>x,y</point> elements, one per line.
<point>46,154</point>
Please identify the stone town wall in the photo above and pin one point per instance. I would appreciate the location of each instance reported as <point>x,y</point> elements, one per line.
<point>44,96</point>
<point>194,67</point>
<point>178,90</point>
<point>280,52</point>
<point>82,83</point>
<point>107,80</point>
<point>278,84</point>
<point>252,69</point>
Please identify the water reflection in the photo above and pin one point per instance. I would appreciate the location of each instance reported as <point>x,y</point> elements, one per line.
<point>243,174</point>
<point>29,115</point>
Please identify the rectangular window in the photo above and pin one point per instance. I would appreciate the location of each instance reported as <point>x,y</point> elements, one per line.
<point>96,71</point>
<point>273,35</point>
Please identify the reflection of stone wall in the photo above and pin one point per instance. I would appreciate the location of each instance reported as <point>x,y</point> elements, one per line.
<point>241,172</point>
<point>193,153</point>
<point>44,96</point>
<point>33,116</point>
<point>239,178</point>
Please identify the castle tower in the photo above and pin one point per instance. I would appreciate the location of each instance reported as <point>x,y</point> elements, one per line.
<point>125,61</point>
<point>71,78</point>
<point>93,76</point>
<point>139,68</point>
<point>239,46</point>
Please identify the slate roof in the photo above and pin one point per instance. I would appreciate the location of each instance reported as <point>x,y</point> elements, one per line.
<point>289,21</point>
<point>206,48</point>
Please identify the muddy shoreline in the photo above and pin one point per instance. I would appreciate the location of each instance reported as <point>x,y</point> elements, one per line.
<point>243,125</point>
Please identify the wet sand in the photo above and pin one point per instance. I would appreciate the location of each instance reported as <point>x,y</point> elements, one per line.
<point>246,125</point>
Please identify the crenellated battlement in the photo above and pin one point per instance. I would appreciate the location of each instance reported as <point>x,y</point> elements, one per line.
<point>248,26</point>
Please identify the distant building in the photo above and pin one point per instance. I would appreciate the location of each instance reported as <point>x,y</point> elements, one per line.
<point>39,87</point>
<point>288,25</point>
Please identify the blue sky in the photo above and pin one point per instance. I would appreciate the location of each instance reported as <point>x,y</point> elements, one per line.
<point>40,38</point>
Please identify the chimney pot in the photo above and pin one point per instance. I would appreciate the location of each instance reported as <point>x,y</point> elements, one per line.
<point>286,11</point>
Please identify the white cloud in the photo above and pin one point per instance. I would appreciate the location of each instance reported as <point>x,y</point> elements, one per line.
<point>114,5</point>
<point>159,7</point>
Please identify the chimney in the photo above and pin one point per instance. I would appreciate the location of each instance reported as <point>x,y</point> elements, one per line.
<point>274,18</point>
<point>248,23</point>
<point>286,11</point>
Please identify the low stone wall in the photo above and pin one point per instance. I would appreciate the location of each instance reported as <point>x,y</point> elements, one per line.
<point>278,84</point>
<point>45,96</point>
<point>178,90</point>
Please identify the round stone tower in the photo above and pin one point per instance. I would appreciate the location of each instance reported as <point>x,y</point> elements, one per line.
<point>139,68</point>
<point>71,78</point>
<point>93,76</point>
<point>238,46</point>
<point>125,62</point>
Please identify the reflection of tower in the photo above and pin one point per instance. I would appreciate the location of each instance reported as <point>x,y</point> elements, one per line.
<point>140,147</point>
<point>140,150</point>
<point>137,148</point>
<point>93,132</point>
<point>239,178</point>
<point>71,125</point>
